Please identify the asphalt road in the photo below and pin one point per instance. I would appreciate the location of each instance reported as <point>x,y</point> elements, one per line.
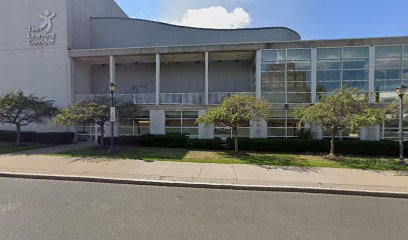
<point>45,209</point>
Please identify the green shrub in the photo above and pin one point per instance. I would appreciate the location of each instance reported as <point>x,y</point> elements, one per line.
<point>55,137</point>
<point>170,140</point>
<point>130,140</point>
<point>355,147</point>
<point>11,136</point>
<point>210,144</point>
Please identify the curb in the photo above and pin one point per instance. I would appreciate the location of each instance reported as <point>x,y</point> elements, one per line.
<point>338,191</point>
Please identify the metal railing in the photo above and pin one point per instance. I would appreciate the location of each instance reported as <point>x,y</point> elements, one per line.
<point>214,98</point>
<point>182,98</point>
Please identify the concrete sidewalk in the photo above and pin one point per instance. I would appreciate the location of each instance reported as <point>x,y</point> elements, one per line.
<point>350,179</point>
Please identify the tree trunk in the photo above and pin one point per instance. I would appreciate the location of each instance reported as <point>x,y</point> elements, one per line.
<point>236,139</point>
<point>102,134</point>
<point>333,137</point>
<point>18,134</point>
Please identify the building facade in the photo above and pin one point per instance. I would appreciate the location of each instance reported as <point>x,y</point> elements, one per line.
<point>69,50</point>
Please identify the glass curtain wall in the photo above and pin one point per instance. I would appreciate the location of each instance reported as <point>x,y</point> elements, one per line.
<point>286,82</point>
<point>391,70</point>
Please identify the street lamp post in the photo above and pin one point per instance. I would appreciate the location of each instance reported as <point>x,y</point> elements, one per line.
<point>112,89</point>
<point>401,90</point>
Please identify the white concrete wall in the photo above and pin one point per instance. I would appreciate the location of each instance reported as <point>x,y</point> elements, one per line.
<point>258,130</point>
<point>79,13</point>
<point>370,133</point>
<point>127,77</point>
<point>229,76</point>
<point>157,122</point>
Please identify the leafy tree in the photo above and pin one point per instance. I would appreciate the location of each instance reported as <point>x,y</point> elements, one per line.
<point>346,108</point>
<point>20,110</point>
<point>94,111</point>
<point>237,111</point>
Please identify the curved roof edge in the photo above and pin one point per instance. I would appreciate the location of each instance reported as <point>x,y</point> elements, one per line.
<point>199,28</point>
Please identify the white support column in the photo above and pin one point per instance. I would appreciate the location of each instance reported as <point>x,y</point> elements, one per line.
<point>258,63</point>
<point>112,69</point>
<point>314,75</point>
<point>371,73</point>
<point>206,79</point>
<point>157,122</point>
<point>157,79</point>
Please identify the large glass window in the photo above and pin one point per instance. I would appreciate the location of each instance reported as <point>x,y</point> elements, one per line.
<point>182,122</point>
<point>389,70</point>
<point>139,125</point>
<point>346,66</point>
<point>286,76</point>
<point>281,124</point>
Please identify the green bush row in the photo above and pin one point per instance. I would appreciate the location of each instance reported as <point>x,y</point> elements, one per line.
<point>355,147</point>
<point>170,141</point>
<point>43,137</point>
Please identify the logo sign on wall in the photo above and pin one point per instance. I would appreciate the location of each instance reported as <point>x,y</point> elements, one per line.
<point>42,34</point>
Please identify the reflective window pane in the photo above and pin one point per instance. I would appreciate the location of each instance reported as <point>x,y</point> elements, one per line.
<point>299,54</point>
<point>329,53</point>
<point>299,76</point>
<point>387,74</point>
<point>273,76</point>
<point>328,64</point>
<point>355,63</point>
<point>299,97</point>
<point>299,86</point>
<point>361,85</point>
<point>273,87</point>
<point>276,132</point>
<point>273,55</point>
<point>173,123</point>
<point>276,123</point>
<point>328,86</point>
<point>173,114</point>
<point>298,65</point>
<point>355,75</point>
<point>386,85</point>
<point>278,114</point>
<point>388,63</point>
<point>355,52</point>
<point>387,51</point>
<point>273,66</point>
<point>190,114</point>
<point>275,97</point>
<point>328,75</point>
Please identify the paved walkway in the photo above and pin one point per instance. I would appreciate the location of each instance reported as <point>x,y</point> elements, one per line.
<point>32,162</point>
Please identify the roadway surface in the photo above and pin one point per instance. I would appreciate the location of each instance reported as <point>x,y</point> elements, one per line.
<point>45,209</point>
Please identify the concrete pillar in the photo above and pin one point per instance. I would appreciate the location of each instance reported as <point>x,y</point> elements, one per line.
<point>316,131</point>
<point>157,79</point>
<point>259,129</point>
<point>314,74</point>
<point>370,133</point>
<point>112,70</point>
<point>157,122</point>
<point>258,76</point>
<point>206,79</point>
<point>205,132</point>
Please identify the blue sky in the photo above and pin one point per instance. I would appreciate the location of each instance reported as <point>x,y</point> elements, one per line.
<point>312,19</point>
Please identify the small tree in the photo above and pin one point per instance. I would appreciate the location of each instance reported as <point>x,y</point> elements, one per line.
<point>94,111</point>
<point>237,111</point>
<point>20,110</point>
<point>346,108</point>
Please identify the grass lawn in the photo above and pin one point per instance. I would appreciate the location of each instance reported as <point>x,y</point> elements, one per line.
<point>9,147</point>
<point>203,156</point>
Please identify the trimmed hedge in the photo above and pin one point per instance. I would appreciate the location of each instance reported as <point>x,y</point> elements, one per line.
<point>43,137</point>
<point>210,144</point>
<point>355,147</point>
<point>170,140</point>
<point>11,136</point>
<point>55,137</point>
